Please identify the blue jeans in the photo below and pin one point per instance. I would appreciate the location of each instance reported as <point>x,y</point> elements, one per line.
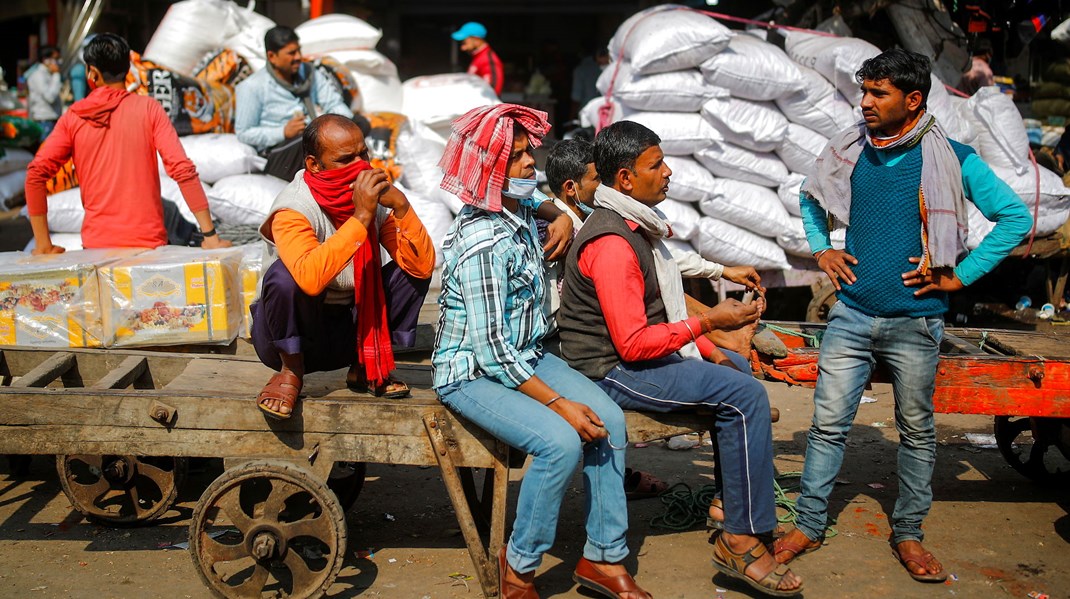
<point>853,344</point>
<point>744,434</point>
<point>555,447</point>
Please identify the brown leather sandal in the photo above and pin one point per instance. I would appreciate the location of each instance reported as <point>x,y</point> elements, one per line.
<point>284,387</point>
<point>735,565</point>
<point>589,577</point>
<point>785,545</point>
<point>391,388</point>
<point>508,589</point>
<point>922,558</point>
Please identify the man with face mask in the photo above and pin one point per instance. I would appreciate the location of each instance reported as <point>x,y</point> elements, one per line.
<point>114,137</point>
<point>273,105</point>
<point>327,302</point>
<point>485,62</point>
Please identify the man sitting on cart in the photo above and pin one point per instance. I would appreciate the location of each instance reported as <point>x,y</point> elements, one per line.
<point>900,188</point>
<point>327,302</point>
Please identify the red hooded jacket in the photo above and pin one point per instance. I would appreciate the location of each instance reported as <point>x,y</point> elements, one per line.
<point>113,137</point>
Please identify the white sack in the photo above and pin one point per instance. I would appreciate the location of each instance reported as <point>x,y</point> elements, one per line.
<point>1052,212</point>
<point>836,58</point>
<point>65,212</point>
<point>757,126</point>
<point>681,133</point>
<point>436,100</point>
<point>244,199</point>
<point>418,151</point>
<point>377,79</point>
<point>733,162</point>
<point>68,241</point>
<point>753,207</point>
<point>189,30</point>
<point>169,190</point>
<point>690,181</point>
<point>788,192</point>
<point>337,31</point>
<point>818,106</point>
<point>940,104</point>
<point>753,69</point>
<point>434,215</point>
<point>589,112</point>
<point>248,42</point>
<point>678,91</point>
<point>14,159</point>
<point>800,148</point>
<point>728,244</point>
<point>682,216</point>
<point>1001,138</point>
<point>666,38</point>
<point>794,240</point>
<point>12,187</point>
<point>218,155</point>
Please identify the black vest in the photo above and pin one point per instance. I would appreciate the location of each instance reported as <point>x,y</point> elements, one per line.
<point>585,341</point>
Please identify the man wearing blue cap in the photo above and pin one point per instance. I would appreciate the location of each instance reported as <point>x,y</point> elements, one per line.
<point>485,63</point>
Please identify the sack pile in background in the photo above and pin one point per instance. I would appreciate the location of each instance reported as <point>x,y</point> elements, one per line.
<point>742,120</point>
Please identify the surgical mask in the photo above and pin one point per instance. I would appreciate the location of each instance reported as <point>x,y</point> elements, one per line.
<point>584,208</point>
<point>520,189</point>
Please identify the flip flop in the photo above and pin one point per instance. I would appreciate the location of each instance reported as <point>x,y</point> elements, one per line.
<point>922,558</point>
<point>283,386</point>
<point>391,388</point>
<point>642,485</point>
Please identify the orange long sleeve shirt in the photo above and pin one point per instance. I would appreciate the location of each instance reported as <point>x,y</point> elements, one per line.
<point>313,264</point>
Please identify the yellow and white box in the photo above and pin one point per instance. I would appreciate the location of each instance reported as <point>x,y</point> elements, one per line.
<point>53,300</point>
<point>252,265</point>
<point>172,296</point>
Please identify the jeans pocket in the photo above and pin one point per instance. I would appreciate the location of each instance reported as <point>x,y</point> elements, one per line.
<point>638,393</point>
<point>933,329</point>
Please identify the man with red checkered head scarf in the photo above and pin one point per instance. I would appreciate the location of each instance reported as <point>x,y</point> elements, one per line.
<point>489,365</point>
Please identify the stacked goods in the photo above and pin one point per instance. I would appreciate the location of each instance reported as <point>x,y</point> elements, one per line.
<point>193,28</point>
<point>435,100</point>
<point>1052,97</point>
<point>743,132</point>
<point>53,300</point>
<point>250,271</point>
<point>194,106</point>
<point>244,199</point>
<point>172,296</point>
<point>219,155</point>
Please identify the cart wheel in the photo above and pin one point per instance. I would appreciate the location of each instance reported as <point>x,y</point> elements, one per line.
<point>267,527</point>
<point>121,490</point>
<point>347,480</point>
<point>1031,457</point>
<point>818,308</point>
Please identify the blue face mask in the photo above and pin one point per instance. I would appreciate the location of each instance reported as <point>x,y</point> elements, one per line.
<point>584,208</point>
<point>520,189</point>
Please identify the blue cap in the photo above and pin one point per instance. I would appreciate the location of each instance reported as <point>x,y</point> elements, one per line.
<point>470,29</point>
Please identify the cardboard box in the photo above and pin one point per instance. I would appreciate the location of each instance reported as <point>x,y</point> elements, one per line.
<point>172,296</point>
<point>53,300</point>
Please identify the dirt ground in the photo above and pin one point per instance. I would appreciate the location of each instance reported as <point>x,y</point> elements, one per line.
<point>1000,535</point>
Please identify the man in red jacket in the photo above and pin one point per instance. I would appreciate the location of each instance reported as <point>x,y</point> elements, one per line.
<point>485,63</point>
<point>114,137</point>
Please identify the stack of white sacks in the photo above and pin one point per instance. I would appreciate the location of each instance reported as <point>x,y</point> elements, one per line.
<point>742,123</point>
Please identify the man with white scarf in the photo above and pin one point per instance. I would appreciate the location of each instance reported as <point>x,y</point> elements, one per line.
<point>899,187</point>
<point>623,322</point>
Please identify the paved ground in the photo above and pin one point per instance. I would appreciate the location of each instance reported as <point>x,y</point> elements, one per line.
<point>999,534</point>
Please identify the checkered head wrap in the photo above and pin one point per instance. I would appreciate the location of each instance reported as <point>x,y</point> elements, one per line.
<point>478,151</point>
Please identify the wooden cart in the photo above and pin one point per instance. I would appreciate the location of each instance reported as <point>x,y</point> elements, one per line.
<point>1020,378</point>
<point>123,423</point>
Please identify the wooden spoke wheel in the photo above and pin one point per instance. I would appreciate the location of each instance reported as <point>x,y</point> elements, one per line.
<point>121,489</point>
<point>347,480</point>
<point>1038,448</point>
<point>823,300</point>
<point>268,527</point>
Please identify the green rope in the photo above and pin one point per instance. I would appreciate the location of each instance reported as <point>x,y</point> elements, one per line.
<point>685,508</point>
<point>814,340</point>
<point>984,337</point>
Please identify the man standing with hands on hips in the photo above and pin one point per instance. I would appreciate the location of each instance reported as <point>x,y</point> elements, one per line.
<point>899,187</point>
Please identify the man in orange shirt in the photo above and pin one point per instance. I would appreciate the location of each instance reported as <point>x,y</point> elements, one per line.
<point>114,136</point>
<point>327,302</point>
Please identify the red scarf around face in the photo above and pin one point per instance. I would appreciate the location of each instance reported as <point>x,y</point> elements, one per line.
<point>331,190</point>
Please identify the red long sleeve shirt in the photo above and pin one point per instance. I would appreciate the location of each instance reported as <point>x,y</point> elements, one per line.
<point>486,64</point>
<point>113,137</point>
<point>613,267</point>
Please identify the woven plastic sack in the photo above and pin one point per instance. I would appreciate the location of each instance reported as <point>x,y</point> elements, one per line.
<point>376,76</point>
<point>189,30</point>
<point>678,91</point>
<point>788,192</point>
<point>1001,138</point>
<point>14,159</point>
<point>668,38</point>
<point>435,216</point>
<point>12,188</point>
<point>690,181</point>
<point>817,106</point>
<point>334,32</point>
<point>683,218</point>
<point>753,69</point>
<point>836,58</point>
<point>435,100</point>
<point>219,155</point>
<point>757,126</point>
<point>725,243</point>
<point>681,133</point>
<point>733,162</point>
<point>800,148</point>
<point>753,207</point>
<point>1052,210</point>
<point>244,199</point>
<point>248,42</point>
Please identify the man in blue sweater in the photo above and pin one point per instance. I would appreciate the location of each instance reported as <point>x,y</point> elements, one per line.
<point>899,187</point>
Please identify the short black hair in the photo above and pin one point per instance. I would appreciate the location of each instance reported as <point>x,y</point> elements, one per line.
<point>908,71</point>
<point>618,146</point>
<point>310,140</point>
<point>110,54</point>
<point>48,52</point>
<point>568,160</point>
<point>279,37</point>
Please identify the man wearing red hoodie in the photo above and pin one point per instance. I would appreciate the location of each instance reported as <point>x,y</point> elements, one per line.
<point>114,136</point>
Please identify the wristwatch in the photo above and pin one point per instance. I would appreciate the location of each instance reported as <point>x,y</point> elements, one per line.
<point>210,233</point>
